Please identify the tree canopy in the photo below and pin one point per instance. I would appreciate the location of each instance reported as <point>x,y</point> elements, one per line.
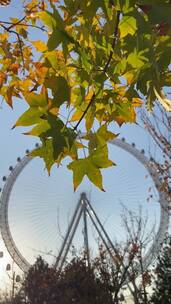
<point>93,64</point>
<point>162,287</point>
<point>77,283</point>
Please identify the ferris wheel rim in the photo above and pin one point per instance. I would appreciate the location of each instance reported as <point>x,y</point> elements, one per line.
<point>9,242</point>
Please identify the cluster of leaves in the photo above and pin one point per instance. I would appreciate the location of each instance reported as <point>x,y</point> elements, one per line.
<point>92,66</point>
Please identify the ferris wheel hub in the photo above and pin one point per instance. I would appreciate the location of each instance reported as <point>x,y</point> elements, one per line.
<point>83,195</point>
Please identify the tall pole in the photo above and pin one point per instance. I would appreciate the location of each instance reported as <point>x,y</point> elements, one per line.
<point>13,286</point>
<point>85,231</point>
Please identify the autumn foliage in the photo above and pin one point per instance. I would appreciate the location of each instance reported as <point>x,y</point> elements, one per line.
<point>94,63</point>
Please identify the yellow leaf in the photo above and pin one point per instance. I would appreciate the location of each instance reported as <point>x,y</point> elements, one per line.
<point>89,95</point>
<point>127,26</point>
<point>85,167</point>
<point>100,106</point>
<point>40,46</point>
<point>136,102</point>
<point>14,20</point>
<point>26,84</point>
<point>9,95</point>
<point>89,119</point>
<point>94,175</point>
<point>76,116</point>
<point>4,36</point>
<point>47,19</point>
<point>129,77</point>
<point>79,171</point>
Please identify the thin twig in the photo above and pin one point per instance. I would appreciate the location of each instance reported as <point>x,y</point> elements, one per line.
<point>23,24</point>
<point>85,112</point>
<point>15,23</point>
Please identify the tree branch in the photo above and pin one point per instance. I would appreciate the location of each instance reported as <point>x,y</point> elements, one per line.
<point>104,70</point>
<point>23,24</point>
<point>114,42</point>
<point>85,112</point>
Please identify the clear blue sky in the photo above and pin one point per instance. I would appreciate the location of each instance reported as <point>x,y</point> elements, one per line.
<point>39,202</point>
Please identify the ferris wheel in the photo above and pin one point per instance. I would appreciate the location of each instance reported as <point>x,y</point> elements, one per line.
<point>17,172</point>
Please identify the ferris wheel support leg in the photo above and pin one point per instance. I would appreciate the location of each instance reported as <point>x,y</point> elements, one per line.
<point>99,232</point>
<point>86,243</point>
<point>70,240</point>
<point>67,233</point>
<point>101,226</point>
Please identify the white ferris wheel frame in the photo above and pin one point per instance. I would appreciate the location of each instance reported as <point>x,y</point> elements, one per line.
<point>9,242</point>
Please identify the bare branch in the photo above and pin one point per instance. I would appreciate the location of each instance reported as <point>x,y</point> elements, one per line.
<point>42,28</point>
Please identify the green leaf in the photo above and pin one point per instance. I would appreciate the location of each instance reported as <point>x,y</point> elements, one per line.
<point>40,128</point>
<point>59,23</point>
<point>100,158</point>
<point>60,89</point>
<point>63,138</point>
<point>55,132</point>
<point>59,143</point>
<point>85,167</point>
<point>48,19</point>
<point>89,119</point>
<point>85,60</point>
<point>29,118</point>
<point>125,113</point>
<point>52,58</point>
<point>94,175</point>
<point>36,100</point>
<point>100,138</point>
<point>137,60</point>
<point>54,40</point>
<point>46,152</point>
<point>103,135</point>
<point>38,107</point>
<point>79,171</point>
